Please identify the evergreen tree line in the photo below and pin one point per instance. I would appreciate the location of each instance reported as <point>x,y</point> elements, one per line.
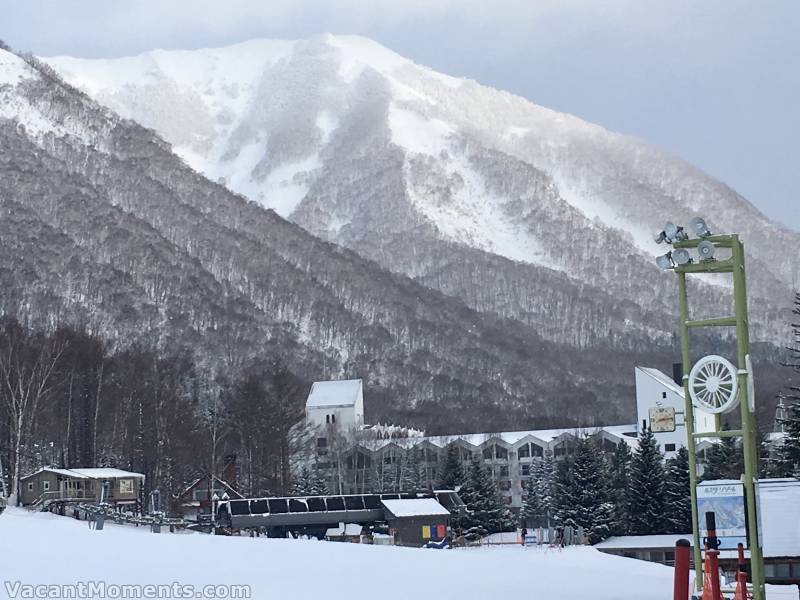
<point>626,493</point>
<point>67,400</point>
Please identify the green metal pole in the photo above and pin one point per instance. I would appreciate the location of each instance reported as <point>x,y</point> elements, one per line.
<point>688,419</point>
<point>748,419</point>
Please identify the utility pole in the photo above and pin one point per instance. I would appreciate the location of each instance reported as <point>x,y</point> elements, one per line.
<point>683,265</point>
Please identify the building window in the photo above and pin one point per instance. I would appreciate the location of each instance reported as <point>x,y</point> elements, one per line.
<point>669,447</point>
<point>46,486</point>
<point>333,419</point>
<point>525,470</point>
<point>126,486</point>
<point>327,419</point>
<point>525,451</point>
<point>501,453</point>
<point>664,395</point>
<point>487,453</point>
<point>504,471</point>
<point>322,442</point>
<point>538,451</point>
<point>30,486</point>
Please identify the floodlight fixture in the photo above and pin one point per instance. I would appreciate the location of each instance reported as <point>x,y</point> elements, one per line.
<point>706,250</point>
<point>674,233</point>
<point>681,256</point>
<point>665,261</point>
<point>698,225</point>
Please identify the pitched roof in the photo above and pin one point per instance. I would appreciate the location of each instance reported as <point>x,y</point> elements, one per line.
<point>419,507</point>
<point>662,378</point>
<point>217,480</point>
<point>509,437</point>
<point>89,473</point>
<point>333,393</point>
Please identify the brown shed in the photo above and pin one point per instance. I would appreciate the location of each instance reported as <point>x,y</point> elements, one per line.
<point>417,521</point>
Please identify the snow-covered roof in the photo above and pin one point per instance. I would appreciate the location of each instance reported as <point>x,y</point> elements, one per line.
<point>89,473</point>
<point>344,529</point>
<point>632,542</point>
<point>662,378</point>
<point>333,393</point>
<point>419,507</point>
<point>509,437</point>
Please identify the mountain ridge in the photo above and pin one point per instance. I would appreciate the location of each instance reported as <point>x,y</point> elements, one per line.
<point>362,147</point>
<point>104,228</point>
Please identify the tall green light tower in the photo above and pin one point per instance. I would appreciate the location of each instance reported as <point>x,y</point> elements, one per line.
<point>713,384</point>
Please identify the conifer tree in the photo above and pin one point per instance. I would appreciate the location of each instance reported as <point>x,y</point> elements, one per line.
<point>724,460</point>
<point>452,471</point>
<point>533,512</point>
<point>646,489</point>
<point>619,476</point>
<point>485,507</point>
<point>788,453</point>
<point>677,493</point>
<point>412,476</point>
<point>589,504</point>
<point>303,483</point>
<point>319,487</point>
<point>544,486</point>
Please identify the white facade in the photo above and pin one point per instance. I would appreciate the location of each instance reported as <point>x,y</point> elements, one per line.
<point>338,404</point>
<point>654,389</point>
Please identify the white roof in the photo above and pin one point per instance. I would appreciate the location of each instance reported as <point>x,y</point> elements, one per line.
<point>419,507</point>
<point>630,542</point>
<point>91,473</point>
<point>344,529</point>
<point>509,437</point>
<point>333,393</point>
<point>662,378</point>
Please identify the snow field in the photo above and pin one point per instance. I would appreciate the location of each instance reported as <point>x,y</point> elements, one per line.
<point>40,548</point>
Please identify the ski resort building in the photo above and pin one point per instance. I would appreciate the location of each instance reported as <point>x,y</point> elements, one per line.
<point>336,403</point>
<point>660,407</point>
<point>353,456</point>
<point>50,484</point>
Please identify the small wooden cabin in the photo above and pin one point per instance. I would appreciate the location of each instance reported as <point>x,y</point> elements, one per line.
<point>416,522</point>
<point>50,484</point>
<point>194,503</point>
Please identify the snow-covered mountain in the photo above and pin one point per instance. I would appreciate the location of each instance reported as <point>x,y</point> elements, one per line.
<point>511,207</point>
<point>102,227</point>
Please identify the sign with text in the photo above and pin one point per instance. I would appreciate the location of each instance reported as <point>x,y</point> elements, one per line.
<point>662,419</point>
<point>726,501</point>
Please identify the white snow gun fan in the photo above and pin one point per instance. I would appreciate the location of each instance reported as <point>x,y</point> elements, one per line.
<point>713,385</point>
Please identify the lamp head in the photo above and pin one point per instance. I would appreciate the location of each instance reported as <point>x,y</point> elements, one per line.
<point>681,256</point>
<point>698,225</point>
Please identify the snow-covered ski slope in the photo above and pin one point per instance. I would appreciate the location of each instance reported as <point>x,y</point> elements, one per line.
<point>40,548</point>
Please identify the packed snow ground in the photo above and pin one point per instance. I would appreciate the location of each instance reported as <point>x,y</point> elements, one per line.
<point>38,548</point>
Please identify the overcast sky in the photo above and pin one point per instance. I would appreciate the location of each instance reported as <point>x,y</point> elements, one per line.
<point>716,82</point>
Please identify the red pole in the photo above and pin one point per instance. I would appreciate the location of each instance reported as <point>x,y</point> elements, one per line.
<point>741,577</point>
<point>713,567</point>
<point>683,550</point>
